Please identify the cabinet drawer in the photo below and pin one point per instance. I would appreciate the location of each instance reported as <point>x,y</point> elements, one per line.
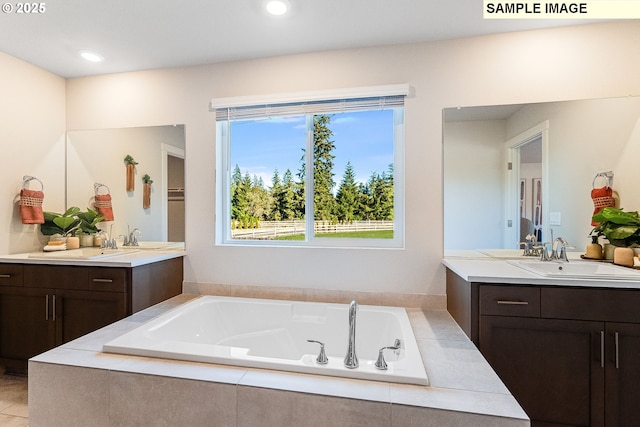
<point>55,276</point>
<point>11,275</point>
<point>613,305</point>
<point>107,279</point>
<point>523,301</point>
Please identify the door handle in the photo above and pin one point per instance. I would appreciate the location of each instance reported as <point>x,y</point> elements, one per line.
<point>103,280</point>
<point>46,307</point>
<point>602,349</point>
<point>506,302</point>
<point>617,339</point>
<point>54,308</point>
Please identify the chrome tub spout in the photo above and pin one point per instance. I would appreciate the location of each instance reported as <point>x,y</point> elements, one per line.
<point>351,359</point>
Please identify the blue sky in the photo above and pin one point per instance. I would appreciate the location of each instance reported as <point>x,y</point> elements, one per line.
<point>364,138</point>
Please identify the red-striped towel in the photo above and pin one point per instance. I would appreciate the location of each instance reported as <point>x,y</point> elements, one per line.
<point>31,206</point>
<point>103,206</point>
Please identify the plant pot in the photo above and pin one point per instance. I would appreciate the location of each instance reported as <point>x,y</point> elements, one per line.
<point>86,240</point>
<point>146,196</point>
<point>131,177</point>
<point>623,256</point>
<point>73,242</point>
<point>608,251</point>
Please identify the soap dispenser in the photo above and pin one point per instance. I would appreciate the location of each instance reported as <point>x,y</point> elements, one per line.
<point>594,249</point>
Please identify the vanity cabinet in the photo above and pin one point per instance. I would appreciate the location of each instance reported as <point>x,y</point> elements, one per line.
<point>43,306</point>
<point>569,355</point>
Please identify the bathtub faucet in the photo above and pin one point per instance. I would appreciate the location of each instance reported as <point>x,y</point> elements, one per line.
<point>351,359</point>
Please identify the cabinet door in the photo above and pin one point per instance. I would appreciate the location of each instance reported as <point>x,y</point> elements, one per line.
<point>81,312</point>
<point>26,324</point>
<point>552,367</point>
<point>623,374</point>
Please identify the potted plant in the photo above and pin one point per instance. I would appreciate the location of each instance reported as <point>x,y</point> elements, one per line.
<point>63,225</point>
<point>130,164</point>
<point>146,191</point>
<point>88,226</point>
<point>620,228</point>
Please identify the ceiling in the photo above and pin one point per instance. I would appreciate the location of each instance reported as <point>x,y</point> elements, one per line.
<point>136,35</point>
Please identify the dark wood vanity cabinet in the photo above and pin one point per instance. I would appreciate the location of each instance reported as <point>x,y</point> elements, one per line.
<point>569,355</point>
<point>43,306</point>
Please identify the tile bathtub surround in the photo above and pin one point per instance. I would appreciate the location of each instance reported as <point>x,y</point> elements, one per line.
<point>424,301</point>
<point>147,391</point>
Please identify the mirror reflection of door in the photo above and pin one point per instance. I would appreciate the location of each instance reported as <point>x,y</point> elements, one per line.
<point>530,182</point>
<point>175,199</point>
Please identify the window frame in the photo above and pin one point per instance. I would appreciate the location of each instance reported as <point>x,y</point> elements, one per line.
<point>224,169</point>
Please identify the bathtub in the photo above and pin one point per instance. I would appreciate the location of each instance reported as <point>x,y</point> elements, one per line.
<point>273,334</point>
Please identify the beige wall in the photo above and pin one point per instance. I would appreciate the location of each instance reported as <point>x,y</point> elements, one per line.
<point>32,127</point>
<point>98,156</point>
<point>567,63</point>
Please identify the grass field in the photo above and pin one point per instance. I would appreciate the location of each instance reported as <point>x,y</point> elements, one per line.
<point>373,234</point>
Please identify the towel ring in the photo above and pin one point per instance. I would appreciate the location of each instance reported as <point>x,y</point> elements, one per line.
<point>28,178</point>
<point>97,187</point>
<point>607,175</point>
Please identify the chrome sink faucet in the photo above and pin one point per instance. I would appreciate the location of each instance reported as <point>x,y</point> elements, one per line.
<point>560,255</point>
<point>132,238</point>
<point>351,359</point>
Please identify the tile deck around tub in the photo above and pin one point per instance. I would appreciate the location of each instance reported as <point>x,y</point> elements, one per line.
<point>464,390</point>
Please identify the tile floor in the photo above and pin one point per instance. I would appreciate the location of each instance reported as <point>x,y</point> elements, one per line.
<point>13,401</point>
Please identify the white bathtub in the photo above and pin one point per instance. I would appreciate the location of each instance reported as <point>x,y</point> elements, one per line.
<point>273,334</point>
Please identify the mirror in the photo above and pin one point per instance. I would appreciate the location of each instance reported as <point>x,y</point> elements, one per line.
<point>97,156</point>
<point>579,139</point>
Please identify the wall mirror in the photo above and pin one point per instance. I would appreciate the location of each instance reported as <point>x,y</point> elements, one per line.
<point>555,149</point>
<point>97,156</point>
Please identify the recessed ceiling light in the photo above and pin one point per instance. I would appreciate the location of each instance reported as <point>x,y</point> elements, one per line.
<point>91,56</point>
<point>277,7</point>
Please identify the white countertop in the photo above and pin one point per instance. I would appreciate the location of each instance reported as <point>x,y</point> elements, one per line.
<point>493,266</point>
<point>125,257</point>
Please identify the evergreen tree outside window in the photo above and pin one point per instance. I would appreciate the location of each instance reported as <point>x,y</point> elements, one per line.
<point>349,192</point>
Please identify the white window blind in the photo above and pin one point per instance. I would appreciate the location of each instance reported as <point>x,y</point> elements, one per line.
<point>357,99</point>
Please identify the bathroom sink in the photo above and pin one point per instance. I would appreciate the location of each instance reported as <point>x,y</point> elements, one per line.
<point>83,253</point>
<point>578,270</point>
<point>159,245</point>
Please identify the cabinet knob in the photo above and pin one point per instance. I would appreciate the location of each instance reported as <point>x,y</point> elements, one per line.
<point>5,276</point>
<point>103,280</point>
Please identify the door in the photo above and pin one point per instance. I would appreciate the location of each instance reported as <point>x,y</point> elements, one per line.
<point>26,323</point>
<point>622,397</point>
<point>552,367</point>
<point>81,312</point>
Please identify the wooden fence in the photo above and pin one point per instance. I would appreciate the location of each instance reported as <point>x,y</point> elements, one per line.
<point>272,229</point>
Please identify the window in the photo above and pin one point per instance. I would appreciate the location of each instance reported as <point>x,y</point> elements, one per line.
<point>323,171</point>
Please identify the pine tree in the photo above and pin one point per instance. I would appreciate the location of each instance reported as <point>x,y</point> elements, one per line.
<point>323,146</point>
<point>288,204</point>
<point>238,195</point>
<point>299,189</point>
<point>276,196</point>
<point>347,196</point>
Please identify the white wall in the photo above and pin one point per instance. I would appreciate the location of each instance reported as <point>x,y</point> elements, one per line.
<point>98,156</point>
<point>32,127</point>
<point>474,184</point>
<point>555,64</point>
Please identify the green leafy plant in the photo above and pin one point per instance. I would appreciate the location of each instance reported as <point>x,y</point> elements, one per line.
<point>619,227</point>
<point>129,160</point>
<point>89,222</point>
<point>147,179</point>
<point>64,224</point>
